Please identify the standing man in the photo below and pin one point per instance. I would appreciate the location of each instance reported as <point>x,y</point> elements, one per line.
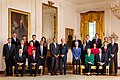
<point>113,50</point>
<point>88,42</point>
<point>42,52</point>
<point>23,47</point>
<point>20,60</point>
<point>63,55</point>
<point>15,40</point>
<point>8,53</point>
<point>35,42</point>
<point>97,41</point>
<point>54,50</point>
<point>76,40</point>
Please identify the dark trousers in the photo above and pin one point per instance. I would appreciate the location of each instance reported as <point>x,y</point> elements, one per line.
<point>113,63</point>
<point>42,63</point>
<point>36,69</point>
<point>103,68</point>
<point>88,67</point>
<point>63,60</point>
<point>23,68</point>
<point>9,63</point>
<point>54,65</point>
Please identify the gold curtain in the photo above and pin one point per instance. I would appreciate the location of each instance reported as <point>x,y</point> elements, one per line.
<point>92,16</point>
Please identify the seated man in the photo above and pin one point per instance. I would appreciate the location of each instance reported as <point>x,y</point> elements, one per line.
<point>101,61</point>
<point>20,60</point>
<point>33,59</point>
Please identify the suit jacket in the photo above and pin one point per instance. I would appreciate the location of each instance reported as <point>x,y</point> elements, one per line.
<point>25,51</point>
<point>106,53</point>
<point>54,51</point>
<point>19,59</point>
<point>63,49</point>
<point>44,51</point>
<point>84,51</point>
<point>36,43</point>
<point>89,43</point>
<point>102,58</point>
<point>73,43</point>
<point>98,43</point>
<point>113,49</point>
<point>9,53</point>
<point>31,60</point>
<point>16,43</point>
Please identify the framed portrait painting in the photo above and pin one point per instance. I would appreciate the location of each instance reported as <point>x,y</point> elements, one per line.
<point>69,33</point>
<point>19,23</point>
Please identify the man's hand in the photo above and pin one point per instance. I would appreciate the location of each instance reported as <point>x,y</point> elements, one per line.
<point>112,55</point>
<point>34,64</point>
<point>42,57</point>
<point>20,64</point>
<point>56,56</point>
<point>62,55</point>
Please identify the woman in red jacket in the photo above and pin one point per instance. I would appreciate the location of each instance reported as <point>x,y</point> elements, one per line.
<point>30,48</point>
<point>94,50</point>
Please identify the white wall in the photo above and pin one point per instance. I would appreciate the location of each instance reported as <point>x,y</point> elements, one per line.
<point>67,18</point>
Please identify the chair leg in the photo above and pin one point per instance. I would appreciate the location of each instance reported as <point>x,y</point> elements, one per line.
<point>13,68</point>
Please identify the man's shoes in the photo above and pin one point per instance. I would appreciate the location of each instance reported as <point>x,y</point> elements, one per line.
<point>30,74</point>
<point>56,74</point>
<point>35,75</point>
<point>60,73</point>
<point>21,75</point>
<point>52,74</point>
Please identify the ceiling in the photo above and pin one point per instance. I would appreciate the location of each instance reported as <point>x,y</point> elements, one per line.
<point>84,1</point>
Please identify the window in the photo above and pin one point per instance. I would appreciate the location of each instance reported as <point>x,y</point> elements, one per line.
<point>92,29</point>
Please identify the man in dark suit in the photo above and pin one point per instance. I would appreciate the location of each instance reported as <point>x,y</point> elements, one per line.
<point>33,59</point>
<point>105,51</point>
<point>20,60</point>
<point>63,55</point>
<point>73,42</point>
<point>35,42</point>
<point>8,53</point>
<point>97,41</point>
<point>101,61</point>
<point>54,50</point>
<point>42,52</point>
<point>84,48</point>
<point>15,40</point>
<point>22,46</point>
<point>88,42</point>
<point>113,50</point>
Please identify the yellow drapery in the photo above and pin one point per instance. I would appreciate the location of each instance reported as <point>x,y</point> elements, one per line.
<point>92,16</point>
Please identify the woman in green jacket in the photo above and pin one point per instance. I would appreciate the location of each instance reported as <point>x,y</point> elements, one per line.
<point>89,61</point>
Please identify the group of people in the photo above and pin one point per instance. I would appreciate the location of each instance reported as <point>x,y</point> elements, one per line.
<point>17,53</point>
<point>95,53</point>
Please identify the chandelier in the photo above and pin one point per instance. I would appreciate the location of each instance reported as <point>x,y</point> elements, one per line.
<point>115,7</point>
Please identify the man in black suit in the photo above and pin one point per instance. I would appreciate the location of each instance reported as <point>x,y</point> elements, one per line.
<point>63,55</point>
<point>8,53</point>
<point>42,52</point>
<point>97,41</point>
<point>113,50</point>
<point>73,42</point>
<point>15,40</point>
<point>35,42</point>
<point>22,46</point>
<point>20,60</point>
<point>54,50</point>
<point>84,48</point>
<point>105,51</point>
<point>101,61</point>
<point>88,42</point>
<point>33,59</point>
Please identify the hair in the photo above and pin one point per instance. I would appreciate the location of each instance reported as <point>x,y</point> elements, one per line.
<point>33,49</point>
<point>33,35</point>
<point>97,34</point>
<point>87,35</point>
<point>9,38</point>
<point>43,38</point>
<point>54,37</point>
<point>105,41</point>
<point>24,36</point>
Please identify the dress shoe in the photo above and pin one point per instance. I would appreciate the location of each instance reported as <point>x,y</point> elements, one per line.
<point>56,74</point>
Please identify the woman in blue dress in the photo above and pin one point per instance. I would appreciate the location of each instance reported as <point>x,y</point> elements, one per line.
<point>76,52</point>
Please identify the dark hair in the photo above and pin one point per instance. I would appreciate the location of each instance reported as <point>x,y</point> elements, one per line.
<point>33,49</point>
<point>54,37</point>
<point>9,38</point>
<point>97,34</point>
<point>24,36</point>
<point>43,38</point>
<point>87,35</point>
<point>33,35</point>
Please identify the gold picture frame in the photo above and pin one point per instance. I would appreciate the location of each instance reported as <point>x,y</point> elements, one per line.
<point>17,18</point>
<point>69,34</point>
